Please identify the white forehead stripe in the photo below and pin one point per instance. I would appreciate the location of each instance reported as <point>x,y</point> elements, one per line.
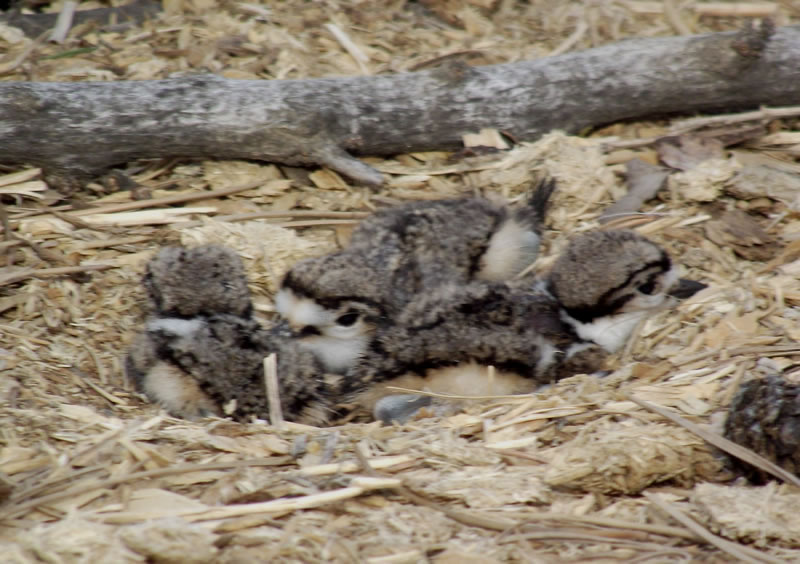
<point>175,326</point>
<point>298,310</point>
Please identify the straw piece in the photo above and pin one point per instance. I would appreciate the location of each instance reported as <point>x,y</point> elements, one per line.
<point>739,552</point>
<point>169,200</point>
<point>24,274</point>
<point>359,487</point>
<point>354,50</point>
<point>721,442</point>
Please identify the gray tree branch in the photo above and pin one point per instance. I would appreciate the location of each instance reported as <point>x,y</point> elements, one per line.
<point>77,130</point>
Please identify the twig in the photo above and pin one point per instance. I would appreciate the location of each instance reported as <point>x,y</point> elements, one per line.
<point>75,222</point>
<point>273,393</point>
<point>169,200</point>
<point>48,255</point>
<point>143,217</point>
<point>355,219</point>
<point>674,18</point>
<point>581,536</point>
<point>352,466</point>
<point>111,398</point>
<point>11,66</point>
<point>291,214</point>
<point>143,475</point>
<point>116,242</point>
<point>663,530</point>
<point>103,213</point>
<point>64,21</point>
<point>692,124</point>
<point>25,175</point>
<point>736,9</point>
<point>739,552</point>
<point>359,485</point>
<point>470,518</point>
<point>572,40</point>
<point>317,223</point>
<point>349,45</point>
<point>721,442</point>
<point>435,61</point>
<point>24,274</point>
<point>8,235</point>
<point>16,331</point>
<point>454,396</point>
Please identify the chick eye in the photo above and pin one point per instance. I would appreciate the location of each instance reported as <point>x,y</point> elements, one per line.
<point>648,287</point>
<point>347,319</point>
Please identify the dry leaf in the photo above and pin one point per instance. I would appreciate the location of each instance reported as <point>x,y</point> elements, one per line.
<point>685,152</point>
<point>644,181</point>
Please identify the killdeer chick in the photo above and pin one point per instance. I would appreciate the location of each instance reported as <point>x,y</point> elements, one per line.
<point>201,347</point>
<point>566,323</point>
<point>335,302</point>
<point>183,283</point>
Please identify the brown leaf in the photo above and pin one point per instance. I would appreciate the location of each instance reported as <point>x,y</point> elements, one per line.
<point>789,253</point>
<point>644,181</point>
<point>736,229</point>
<point>687,151</point>
<point>756,181</point>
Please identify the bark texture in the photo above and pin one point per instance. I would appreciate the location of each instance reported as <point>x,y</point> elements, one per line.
<point>77,130</point>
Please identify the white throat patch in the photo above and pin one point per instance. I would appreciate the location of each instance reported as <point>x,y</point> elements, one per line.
<point>337,355</point>
<point>610,332</point>
<point>338,347</point>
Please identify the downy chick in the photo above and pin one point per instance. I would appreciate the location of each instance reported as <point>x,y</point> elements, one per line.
<point>566,323</point>
<point>335,303</point>
<point>201,347</point>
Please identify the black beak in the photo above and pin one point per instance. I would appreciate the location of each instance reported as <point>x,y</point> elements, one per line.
<point>686,288</point>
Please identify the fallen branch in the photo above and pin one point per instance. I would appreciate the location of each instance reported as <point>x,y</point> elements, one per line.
<point>59,126</point>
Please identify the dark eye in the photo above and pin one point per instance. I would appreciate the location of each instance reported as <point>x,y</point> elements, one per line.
<point>347,319</point>
<point>648,287</point>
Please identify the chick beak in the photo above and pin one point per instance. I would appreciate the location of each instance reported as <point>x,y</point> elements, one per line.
<point>301,331</point>
<point>686,288</point>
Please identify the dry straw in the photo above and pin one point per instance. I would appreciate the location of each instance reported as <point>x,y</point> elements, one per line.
<point>588,468</point>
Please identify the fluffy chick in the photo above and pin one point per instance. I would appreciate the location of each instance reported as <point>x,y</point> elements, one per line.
<point>201,348</point>
<point>212,365</point>
<point>182,282</point>
<point>335,302</point>
<point>564,324</point>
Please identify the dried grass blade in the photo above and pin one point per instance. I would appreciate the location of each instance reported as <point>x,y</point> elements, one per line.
<point>169,200</point>
<point>361,486</point>
<point>64,21</point>
<point>23,508</point>
<point>740,552</point>
<point>721,442</point>
<point>272,390</point>
<point>24,274</point>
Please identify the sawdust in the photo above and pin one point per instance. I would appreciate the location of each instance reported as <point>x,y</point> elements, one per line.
<point>92,472</point>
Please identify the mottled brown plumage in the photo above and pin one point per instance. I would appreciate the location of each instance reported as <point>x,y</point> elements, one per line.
<point>202,280</point>
<point>764,416</point>
<point>221,356</point>
<point>526,332</point>
<point>335,302</point>
<point>442,339</point>
<point>201,350</point>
